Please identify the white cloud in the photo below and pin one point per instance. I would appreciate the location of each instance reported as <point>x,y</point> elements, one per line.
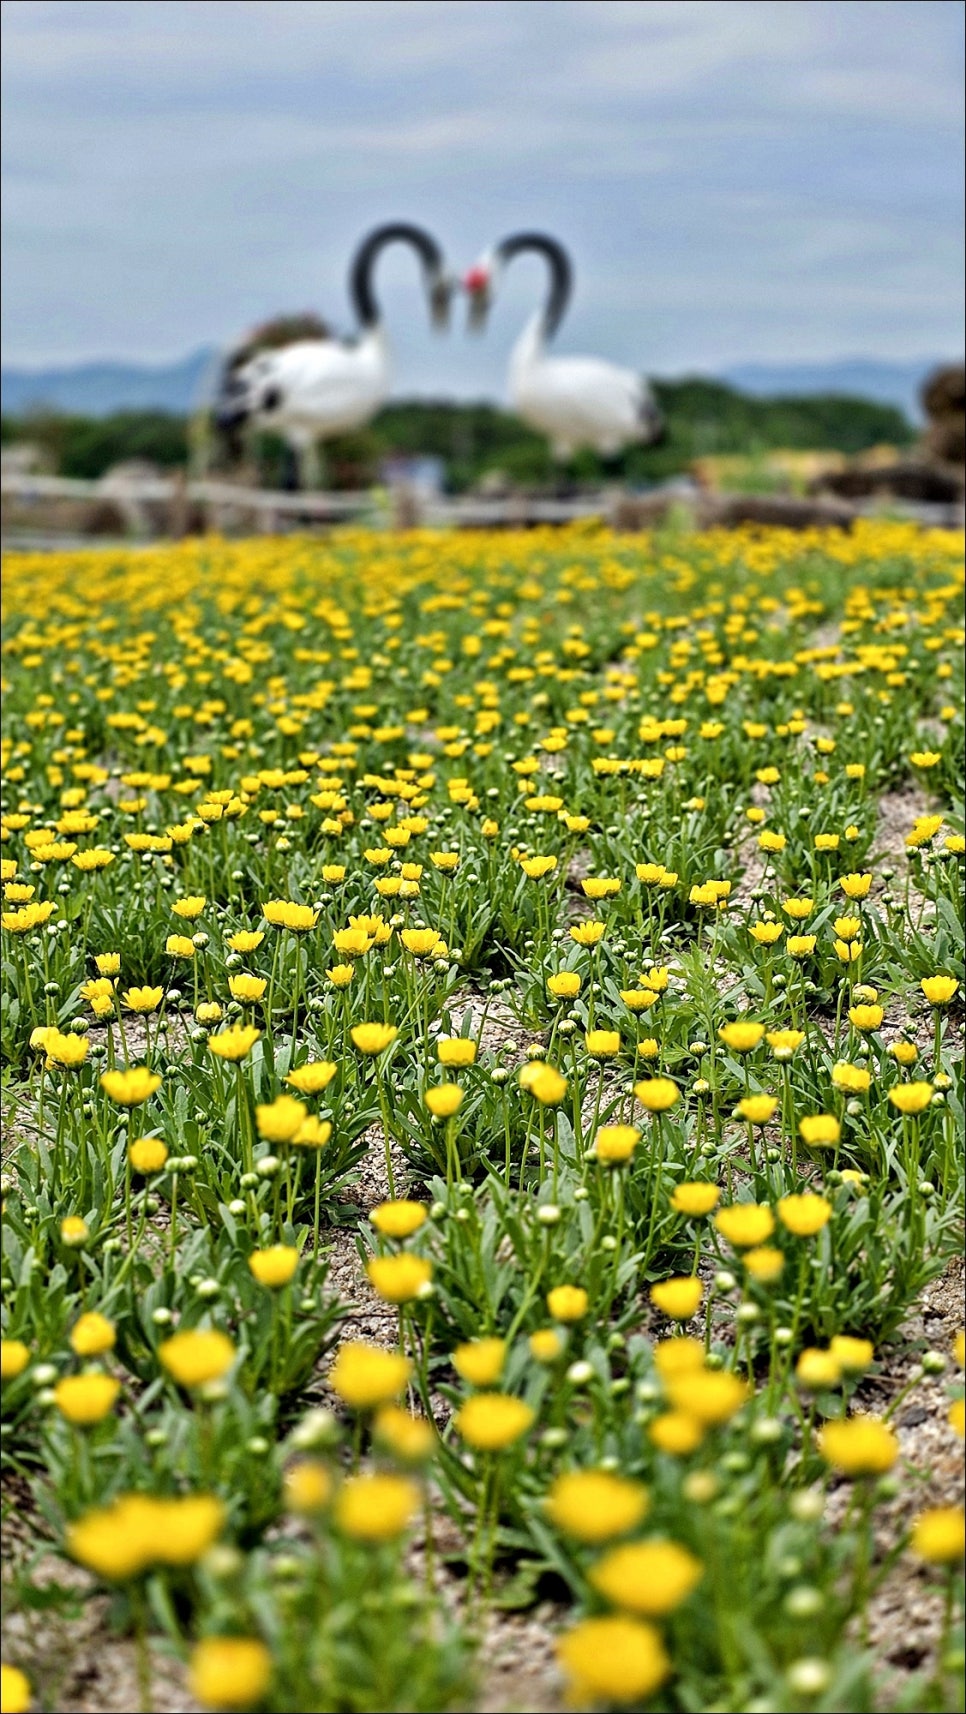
<point>730,171</point>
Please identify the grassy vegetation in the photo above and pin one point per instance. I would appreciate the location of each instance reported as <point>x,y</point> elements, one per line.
<point>703,417</point>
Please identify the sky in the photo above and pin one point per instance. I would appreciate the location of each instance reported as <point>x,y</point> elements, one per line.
<point>735,179</point>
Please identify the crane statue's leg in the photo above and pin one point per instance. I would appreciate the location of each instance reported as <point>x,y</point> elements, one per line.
<point>310,467</point>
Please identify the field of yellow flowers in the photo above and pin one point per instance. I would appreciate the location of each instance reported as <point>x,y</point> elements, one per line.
<point>483,1101</point>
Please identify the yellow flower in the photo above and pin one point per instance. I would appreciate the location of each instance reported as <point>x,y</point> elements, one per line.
<point>819,1130</point>
<point>678,1355</point>
<point>74,1232</point>
<point>536,867</point>
<point>229,1672</point>
<point>614,1144</point>
<point>189,907</point>
<point>612,1659</point>
<point>757,1109</point>
<point>638,999</point>
<point>939,990</point>
<point>65,1050</point>
<point>456,1052</point>
<point>676,1433</point>
<point>116,1541</point>
<point>959,1348</point>
<point>282,913</point>
<point>481,1362</point>
<point>377,1507</point>
<point>235,1042</point>
<point>410,1438</point>
<point>373,1038</point>
<point>196,1356</point>
<point>307,1487</point>
<point>853,1355</point>
<point>398,1219</point>
<point>444,1100</point>
<point>695,1198</point>
<point>567,1303</point>
<point>656,1094</point>
<point>764,1263</point>
<point>800,945</point>
<point>855,886</point>
<point>957,1417</point>
<point>649,1577</point>
<point>179,946</point>
<point>147,1155</point>
<point>939,1536</point>
<point>15,1694</point>
<point>421,942</point>
<point>648,1048</point>
<point>143,999</point>
<point>398,1279</point>
<point>365,1376</point>
<point>545,1345</point>
<point>565,985</point>
<point>798,909</point>
<point>493,1421</point>
<point>131,1087</point>
<point>804,1215</point>
<point>587,933</point>
<point>27,917</point>
<point>108,963</point>
<point>275,1266</point>
<point>594,1505</point>
<point>340,975</point>
<point>543,1082</point>
<point>817,1370</point>
<point>784,1043</point>
<point>600,886</point>
<point>312,1078</point>
<point>859,1446</point>
<point>847,928</point>
<point>740,1036</point>
<point>92,1335</point>
<point>277,1121</point>
<point>904,1052</point>
<point>313,1133</point>
<point>851,1079</point>
<point>14,1357</point>
<point>678,1298</point>
<point>710,1396</point>
<point>865,1017</point>
<point>186,1527</point>
<point>86,1399</point>
<point>247,988</point>
<point>603,1044</point>
<point>766,933</point>
<point>911,1098</point>
<point>209,1012</point>
<point>745,1224</point>
<point>246,940</point>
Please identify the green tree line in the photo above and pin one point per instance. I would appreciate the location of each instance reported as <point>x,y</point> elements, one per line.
<point>702,418</point>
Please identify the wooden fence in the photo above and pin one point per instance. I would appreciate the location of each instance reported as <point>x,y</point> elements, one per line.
<point>149,507</point>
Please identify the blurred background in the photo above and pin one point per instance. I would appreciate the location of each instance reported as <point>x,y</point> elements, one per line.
<point>763,203</point>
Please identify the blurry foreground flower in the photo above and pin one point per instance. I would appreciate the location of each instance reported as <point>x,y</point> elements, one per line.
<point>197,1355</point>
<point>229,1672</point>
<point>595,1505</point>
<point>491,1422</point>
<point>365,1376</point>
<point>612,1659</point>
<point>859,1446</point>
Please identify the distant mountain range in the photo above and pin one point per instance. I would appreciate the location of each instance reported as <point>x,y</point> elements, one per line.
<point>857,377</point>
<point>97,389</point>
